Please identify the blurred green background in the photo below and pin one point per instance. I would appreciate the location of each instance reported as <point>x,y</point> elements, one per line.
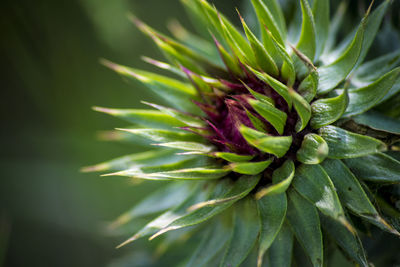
<point>50,213</point>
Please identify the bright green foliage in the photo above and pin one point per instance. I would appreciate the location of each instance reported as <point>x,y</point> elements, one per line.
<point>309,151</point>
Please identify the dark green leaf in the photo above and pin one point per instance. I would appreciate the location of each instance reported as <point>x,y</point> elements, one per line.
<point>165,198</point>
<point>344,144</point>
<point>365,98</point>
<point>238,191</point>
<point>373,22</point>
<point>165,218</point>
<point>378,121</point>
<point>280,253</point>
<point>304,220</point>
<point>272,210</point>
<point>348,241</point>
<point>331,75</point>
<point>378,167</point>
<point>245,231</point>
<point>205,210</point>
<point>312,182</point>
<point>351,193</point>
<point>212,243</point>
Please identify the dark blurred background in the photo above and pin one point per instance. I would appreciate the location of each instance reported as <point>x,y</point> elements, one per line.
<point>50,213</point>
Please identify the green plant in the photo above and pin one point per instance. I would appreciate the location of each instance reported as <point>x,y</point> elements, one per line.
<point>272,144</point>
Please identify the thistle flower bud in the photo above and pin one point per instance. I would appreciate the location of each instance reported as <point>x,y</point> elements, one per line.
<point>266,140</point>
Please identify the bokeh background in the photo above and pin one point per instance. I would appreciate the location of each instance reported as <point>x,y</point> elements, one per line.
<point>50,213</point>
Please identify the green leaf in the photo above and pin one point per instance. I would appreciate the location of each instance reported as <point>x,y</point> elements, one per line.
<point>281,179</point>
<point>266,18</point>
<point>205,210</point>
<point>307,41</point>
<point>278,87</point>
<point>239,190</point>
<point>321,18</point>
<point>365,98</point>
<point>125,162</point>
<point>378,121</point>
<point>185,118</point>
<point>335,26</point>
<point>331,75</point>
<point>276,117</point>
<point>211,244</point>
<point>373,22</point>
<point>193,41</point>
<point>165,218</point>
<point>230,62</point>
<point>308,87</point>
<point>200,173</point>
<point>165,198</point>
<point>344,144</point>
<point>256,121</point>
<point>245,231</point>
<point>280,253</point>
<point>232,157</point>
<point>304,220</point>
<point>263,59</point>
<point>196,148</point>
<point>348,241</point>
<point>326,111</point>
<point>224,27</point>
<point>372,70</point>
<point>149,118</point>
<point>277,145</point>
<point>378,167</point>
<point>259,96</point>
<point>351,193</point>
<point>160,135</point>
<point>303,110</point>
<point>176,52</point>
<point>288,71</point>
<point>164,66</point>
<point>313,183</point>
<point>250,168</point>
<point>313,149</point>
<point>272,210</point>
<point>173,91</point>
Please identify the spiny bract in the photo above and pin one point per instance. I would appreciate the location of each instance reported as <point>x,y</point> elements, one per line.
<point>275,141</point>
